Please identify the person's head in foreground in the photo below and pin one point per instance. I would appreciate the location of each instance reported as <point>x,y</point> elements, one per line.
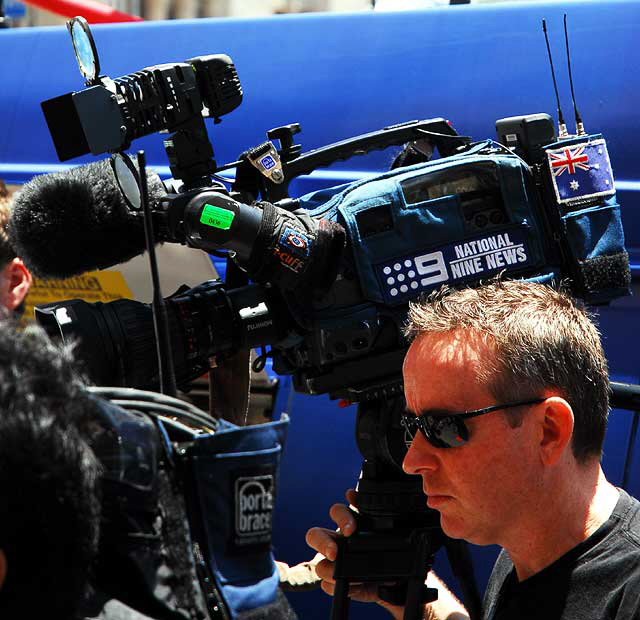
<point>49,476</point>
<point>507,397</point>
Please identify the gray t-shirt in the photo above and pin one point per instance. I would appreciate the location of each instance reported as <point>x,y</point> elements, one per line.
<point>598,579</point>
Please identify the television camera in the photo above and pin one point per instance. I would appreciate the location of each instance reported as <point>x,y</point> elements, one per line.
<point>329,275</point>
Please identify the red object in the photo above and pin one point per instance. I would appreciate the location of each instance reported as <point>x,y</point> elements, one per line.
<point>570,160</point>
<point>94,12</point>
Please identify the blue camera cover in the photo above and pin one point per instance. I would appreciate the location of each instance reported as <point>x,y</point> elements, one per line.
<point>410,229</point>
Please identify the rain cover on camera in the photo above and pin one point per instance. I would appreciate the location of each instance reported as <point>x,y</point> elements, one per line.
<point>448,221</point>
<point>234,478</point>
<point>186,524</point>
<point>583,187</point>
<point>459,220</point>
<point>145,567</point>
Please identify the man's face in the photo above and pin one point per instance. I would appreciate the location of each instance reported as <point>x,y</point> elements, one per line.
<point>486,489</point>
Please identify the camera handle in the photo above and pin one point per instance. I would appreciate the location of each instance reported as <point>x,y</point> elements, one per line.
<point>402,560</point>
<point>251,182</point>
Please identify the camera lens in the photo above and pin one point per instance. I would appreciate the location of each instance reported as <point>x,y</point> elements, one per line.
<point>116,341</point>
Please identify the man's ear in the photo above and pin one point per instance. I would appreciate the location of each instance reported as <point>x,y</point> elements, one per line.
<point>556,423</point>
<point>19,281</point>
<point>3,567</point>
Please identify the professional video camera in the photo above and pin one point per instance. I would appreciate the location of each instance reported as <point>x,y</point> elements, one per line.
<point>332,272</point>
<point>166,467</point>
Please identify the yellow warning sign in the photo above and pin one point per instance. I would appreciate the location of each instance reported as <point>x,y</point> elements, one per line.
<point>92,286</point>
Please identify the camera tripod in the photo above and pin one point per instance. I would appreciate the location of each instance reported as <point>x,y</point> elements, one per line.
<point>397,534</point>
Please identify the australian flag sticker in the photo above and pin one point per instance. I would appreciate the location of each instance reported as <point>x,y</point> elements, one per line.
<point>581,171</point>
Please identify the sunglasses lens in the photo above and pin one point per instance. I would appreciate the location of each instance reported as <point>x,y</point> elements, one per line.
<point>410,424</point>
<point>446,431</point>
<point>440,431</point>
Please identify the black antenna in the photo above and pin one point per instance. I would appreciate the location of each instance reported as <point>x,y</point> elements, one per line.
<point>562,126</point>
<point>579,126</point>
<point>166,373</point>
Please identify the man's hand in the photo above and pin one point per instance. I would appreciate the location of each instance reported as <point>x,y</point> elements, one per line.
<point>447,607</point>
<point>324,542</point>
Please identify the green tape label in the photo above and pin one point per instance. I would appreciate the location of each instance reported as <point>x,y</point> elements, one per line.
<point>216,217</point>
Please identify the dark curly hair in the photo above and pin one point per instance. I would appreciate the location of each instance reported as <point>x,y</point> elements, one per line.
<point>49,478</point>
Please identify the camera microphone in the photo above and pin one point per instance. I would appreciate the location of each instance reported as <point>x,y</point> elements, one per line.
<point>66,223</point>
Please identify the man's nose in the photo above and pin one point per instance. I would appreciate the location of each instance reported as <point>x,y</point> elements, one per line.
<point>421,456</point>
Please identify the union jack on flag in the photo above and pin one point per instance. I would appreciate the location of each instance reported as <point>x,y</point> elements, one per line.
<point>581,170</point>
<point>569,160</point>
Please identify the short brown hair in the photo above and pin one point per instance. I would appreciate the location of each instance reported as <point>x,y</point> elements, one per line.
<point>542,338</point>
<point>7,253</point>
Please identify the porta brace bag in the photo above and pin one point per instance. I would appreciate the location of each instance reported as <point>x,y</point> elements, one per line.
<point>468,217</point>
<point>234,476</point>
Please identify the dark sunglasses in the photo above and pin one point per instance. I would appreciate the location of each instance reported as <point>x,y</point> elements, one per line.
<point>449,430</point>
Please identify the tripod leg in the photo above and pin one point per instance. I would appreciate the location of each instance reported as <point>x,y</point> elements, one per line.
<point>462,566</point>
<point>340,606</point>
<point>415,599</point>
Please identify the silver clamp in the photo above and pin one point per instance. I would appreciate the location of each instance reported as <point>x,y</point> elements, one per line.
<point>266,159</point>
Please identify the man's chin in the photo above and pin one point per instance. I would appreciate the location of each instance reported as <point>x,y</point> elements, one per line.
<point>454,526</point>
<point>452,530</point>
<point>459,530</point>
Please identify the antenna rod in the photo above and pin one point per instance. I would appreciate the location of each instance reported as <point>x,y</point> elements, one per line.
<point>562,126</point>
<point>166,372</point>
<point>579,125</point>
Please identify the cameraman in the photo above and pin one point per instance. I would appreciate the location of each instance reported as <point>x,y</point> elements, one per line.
<point>49,508</point>
<point>15,278</point>
<point>507,399</point>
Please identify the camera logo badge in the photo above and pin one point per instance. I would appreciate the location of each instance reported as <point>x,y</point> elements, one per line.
<point>254,508</point>
<point>403,278</point>
<point>267,162</point>
<point>295,241</point>
<point>293,249</point>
